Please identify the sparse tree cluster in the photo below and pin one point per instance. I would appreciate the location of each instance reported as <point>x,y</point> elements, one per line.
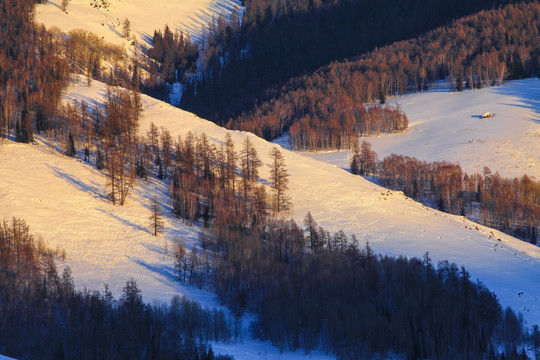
<point>32,76</point>
<point>348,121</point>
<point>34,69</point>
<point>156,217</point>
<point>219,183</point>
<point>509,205</point>
<point>43,316</point>
<point>87,53</point>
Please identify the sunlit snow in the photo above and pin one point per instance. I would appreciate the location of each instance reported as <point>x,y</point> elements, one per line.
<point>64,200</point>
<point>447,125</point>
<point>189,16</point>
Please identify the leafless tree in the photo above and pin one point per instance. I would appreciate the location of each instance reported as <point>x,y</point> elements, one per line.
<point>156,217</point>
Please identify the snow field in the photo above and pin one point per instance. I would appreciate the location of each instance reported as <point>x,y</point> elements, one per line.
<point>445,125</point>
<point>63,200</point>
<point>392,223</point>
<point>189,16</point>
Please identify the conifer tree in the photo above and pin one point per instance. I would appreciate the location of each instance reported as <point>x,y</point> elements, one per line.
<point>100,160</point>
<point>71,151</point>
<point>23,132</point>
<point>382,95</point>
<point>280,180</point>
<point>126,28</point>
<point>180,263</point>
<point>312,233</point>
<point>355,157</point>
<point>64,4</point>
<point>230,163</point>
<point>250,164</point>
<point>131,298</point>
<point>459,84</point>
<point>121,175</point>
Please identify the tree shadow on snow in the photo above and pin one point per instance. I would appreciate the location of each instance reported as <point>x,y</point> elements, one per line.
<point>74,181</point>
<point>164,273</point>
<point>125,221</point>
<point>528,91</point>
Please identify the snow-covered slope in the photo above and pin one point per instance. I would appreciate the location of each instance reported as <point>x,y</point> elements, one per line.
<point>145,16</point>
<point>64,202</point>
<point>393,224</point>
<point>446,125</point>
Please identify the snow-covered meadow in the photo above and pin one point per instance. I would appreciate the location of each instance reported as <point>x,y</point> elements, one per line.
<point>446,125</point>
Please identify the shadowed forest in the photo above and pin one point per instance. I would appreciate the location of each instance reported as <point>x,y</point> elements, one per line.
<point>327,108</point>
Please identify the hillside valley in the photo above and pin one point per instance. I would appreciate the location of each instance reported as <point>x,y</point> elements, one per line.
<point>138,202</point>
<point>392,223</point>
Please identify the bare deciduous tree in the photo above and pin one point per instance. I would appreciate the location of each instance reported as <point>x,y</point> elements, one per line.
<point>156,217</point>
<point>121,175</point>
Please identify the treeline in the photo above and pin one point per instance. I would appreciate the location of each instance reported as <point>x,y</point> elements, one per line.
<point>245,64</point>
<point>509,205</point>
<point>105,134</point>
<point>476,51</point>
<point>32,75</point>
<point>42,316</point>
<point>206,180</point>
<point>345,125</point>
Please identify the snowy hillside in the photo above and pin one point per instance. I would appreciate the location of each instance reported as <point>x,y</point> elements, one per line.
<point>64,199</point>
<point>106,20</point>
<point>445,125</point>
<point>64,202</point>
<point>106,243</point>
